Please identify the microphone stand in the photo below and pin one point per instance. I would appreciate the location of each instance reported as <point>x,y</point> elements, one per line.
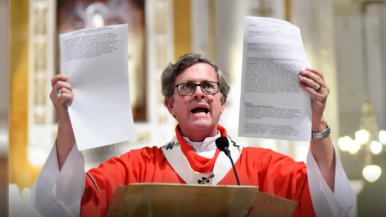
<point>228,153</point>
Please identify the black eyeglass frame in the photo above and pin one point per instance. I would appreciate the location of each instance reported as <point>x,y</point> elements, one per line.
<point>202,90</point>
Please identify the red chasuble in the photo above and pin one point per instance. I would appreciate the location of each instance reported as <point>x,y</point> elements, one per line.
<point>273,172</point>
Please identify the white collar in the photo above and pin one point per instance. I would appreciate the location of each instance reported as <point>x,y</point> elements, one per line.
<point>208,144</point>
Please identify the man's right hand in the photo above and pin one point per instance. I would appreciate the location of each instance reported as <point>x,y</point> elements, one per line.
<point>65,139</point>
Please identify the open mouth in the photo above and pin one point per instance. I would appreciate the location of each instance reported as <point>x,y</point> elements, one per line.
<point>199,110</point>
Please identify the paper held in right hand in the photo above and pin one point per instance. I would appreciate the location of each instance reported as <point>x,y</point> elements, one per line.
<point>272,103</point>
<point>96,63</point>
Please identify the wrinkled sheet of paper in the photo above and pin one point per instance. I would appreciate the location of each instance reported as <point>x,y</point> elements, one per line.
<point>272,103</point>
<point>96,63</point>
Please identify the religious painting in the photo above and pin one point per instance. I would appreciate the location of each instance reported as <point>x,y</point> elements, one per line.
<point>79,14</point>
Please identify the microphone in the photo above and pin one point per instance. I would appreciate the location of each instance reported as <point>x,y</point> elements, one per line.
<point>222,143</point>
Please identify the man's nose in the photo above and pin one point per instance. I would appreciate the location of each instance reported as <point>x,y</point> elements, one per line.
<point>198,91</point>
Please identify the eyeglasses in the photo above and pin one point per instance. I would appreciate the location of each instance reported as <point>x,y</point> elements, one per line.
<point>208,88</point>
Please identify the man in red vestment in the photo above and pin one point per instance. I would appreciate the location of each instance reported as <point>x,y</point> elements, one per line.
<point>195,92</point>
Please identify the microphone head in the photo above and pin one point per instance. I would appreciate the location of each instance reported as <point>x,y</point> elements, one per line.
<point>222,142</point>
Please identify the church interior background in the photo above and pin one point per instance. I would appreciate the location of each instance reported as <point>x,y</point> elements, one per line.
<point>345,39</point>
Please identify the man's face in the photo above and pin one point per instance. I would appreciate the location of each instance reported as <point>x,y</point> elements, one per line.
<point>198,114</point>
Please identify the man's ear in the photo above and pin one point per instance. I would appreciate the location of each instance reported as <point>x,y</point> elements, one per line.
<point>223,102</point>
<point>169,105</point>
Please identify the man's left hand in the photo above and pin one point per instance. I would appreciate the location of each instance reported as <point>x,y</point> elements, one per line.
<point>312,81</point>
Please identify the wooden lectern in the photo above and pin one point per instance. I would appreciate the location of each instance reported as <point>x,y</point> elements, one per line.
<point>196,200</point>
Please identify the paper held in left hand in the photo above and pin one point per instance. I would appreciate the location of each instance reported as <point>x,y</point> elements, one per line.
<point>96,63</point>
<point>272,104</point>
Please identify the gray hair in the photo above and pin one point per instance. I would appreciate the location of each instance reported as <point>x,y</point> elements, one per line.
<point>170,73</point>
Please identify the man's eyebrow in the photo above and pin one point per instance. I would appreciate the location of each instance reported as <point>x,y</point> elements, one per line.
<point>194,82</point>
